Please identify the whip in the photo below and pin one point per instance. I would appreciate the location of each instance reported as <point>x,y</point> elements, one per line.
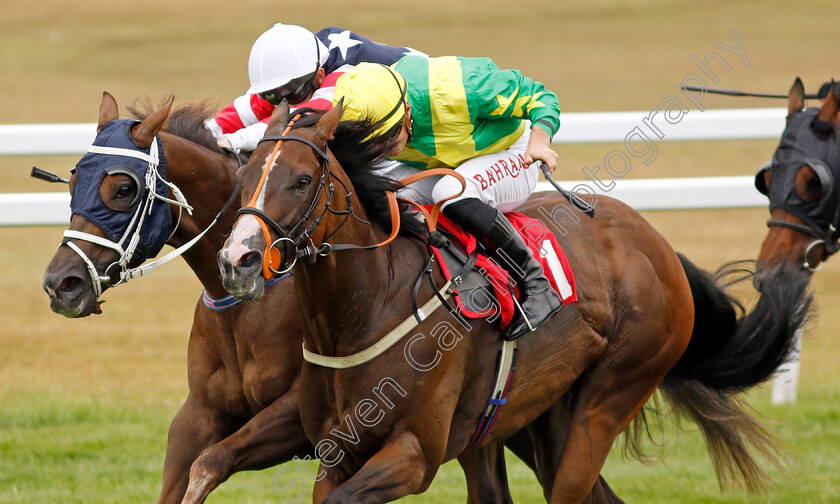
<point>733,92</point>
<point>573,198</point>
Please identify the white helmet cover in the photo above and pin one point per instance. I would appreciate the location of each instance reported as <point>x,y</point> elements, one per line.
<point>283,53</point>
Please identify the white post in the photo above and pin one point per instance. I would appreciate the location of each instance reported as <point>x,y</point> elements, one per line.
<point>784,386</point>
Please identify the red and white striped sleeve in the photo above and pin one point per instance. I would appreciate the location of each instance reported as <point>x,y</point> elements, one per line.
<point>243,112</point>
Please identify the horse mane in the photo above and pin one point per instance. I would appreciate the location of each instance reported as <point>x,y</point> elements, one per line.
<point>360,160</point>
<point>186,121</point>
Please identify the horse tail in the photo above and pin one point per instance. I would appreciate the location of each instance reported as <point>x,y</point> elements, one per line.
<point>730,351</point>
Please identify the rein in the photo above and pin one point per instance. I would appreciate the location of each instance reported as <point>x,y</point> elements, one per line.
<point>294,238</point>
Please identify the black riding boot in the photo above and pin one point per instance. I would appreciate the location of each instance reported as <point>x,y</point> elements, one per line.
<point>538,300</point>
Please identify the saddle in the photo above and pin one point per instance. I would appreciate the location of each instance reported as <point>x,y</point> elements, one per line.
<point>485,290</point>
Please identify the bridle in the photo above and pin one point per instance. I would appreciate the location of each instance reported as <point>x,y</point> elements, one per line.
<point>297,242</point>
<point>127,245</point>
<point>828,239</point>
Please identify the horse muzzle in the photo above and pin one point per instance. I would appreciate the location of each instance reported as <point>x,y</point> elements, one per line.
<point>242,274</point>
<point>71,295</point>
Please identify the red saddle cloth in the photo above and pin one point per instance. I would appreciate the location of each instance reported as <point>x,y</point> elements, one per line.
<point>546,249</point>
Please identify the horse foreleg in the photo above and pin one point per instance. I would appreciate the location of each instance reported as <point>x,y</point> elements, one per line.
<point>486,475</point>
<point>194,428</point>
<point>400,468</point>
<point>521,445</point>
<point>272,436</point>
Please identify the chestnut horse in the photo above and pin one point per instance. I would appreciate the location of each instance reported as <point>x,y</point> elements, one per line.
<point>383,426</point>
<point>243,362</point>
<point>803,185</point>
<point>241,412</point>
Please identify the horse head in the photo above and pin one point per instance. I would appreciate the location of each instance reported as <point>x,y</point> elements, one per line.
<point>120,212</point>
<point>287,191</point>
<point>802,183</point>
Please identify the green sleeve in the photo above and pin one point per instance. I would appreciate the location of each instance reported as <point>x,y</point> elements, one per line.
<point>499,94</point>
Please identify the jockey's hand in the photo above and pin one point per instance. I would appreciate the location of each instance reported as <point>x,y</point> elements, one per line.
<point>539,149</point>
<point>224,142</point>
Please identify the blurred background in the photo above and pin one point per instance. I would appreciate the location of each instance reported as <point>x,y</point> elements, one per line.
<point>85,404</point>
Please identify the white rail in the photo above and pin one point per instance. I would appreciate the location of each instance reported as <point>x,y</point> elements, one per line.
<point>39,209</point>
<point>586,127</point>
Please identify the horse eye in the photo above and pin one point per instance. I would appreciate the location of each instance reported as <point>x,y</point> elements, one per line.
<point>303,182</point>
<point>125,191</point>
<point>808,184</point>
<point>814,184</point>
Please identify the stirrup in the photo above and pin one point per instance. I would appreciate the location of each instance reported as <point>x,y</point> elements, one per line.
<point>521,311</point>
<point>529,325</point>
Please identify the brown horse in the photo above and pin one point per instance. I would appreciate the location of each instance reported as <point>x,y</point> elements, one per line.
<point>243,362</point>
<point>383,426</point>
<point>241,412</point>
<point>803,185</point>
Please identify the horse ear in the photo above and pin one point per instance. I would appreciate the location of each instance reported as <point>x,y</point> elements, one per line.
<point>278,119</point>
<point>326,126</point>
<point>796,97</point>
<point>828,112</point>
<point>108,110</point>
<point>145,132</point>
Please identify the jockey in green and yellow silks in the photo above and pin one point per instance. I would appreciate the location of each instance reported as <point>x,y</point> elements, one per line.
<point>488,124</point>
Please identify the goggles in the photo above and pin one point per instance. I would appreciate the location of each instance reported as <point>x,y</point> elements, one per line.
<point>296,90</point>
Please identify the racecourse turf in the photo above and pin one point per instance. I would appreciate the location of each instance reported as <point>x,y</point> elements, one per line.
<point>85,404</point>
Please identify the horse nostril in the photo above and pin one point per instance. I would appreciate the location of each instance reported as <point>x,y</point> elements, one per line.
<point>250,260</point>
<point>65,287</point>
<point>70,284</point>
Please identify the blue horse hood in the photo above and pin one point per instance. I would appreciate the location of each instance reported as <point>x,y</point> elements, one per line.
<point>151,213</point>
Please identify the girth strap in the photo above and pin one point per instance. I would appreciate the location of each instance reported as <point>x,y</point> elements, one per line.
<point>498,396</point>
<point>383,344</point>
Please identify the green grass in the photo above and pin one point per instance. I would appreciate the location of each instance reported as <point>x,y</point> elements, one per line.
<point>82,449</point>
<point>85,404</point>
<point>57,449</point>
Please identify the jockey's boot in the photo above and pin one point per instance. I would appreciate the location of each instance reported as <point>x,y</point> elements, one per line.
<point>538,300</point>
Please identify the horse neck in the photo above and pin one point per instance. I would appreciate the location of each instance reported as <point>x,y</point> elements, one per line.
<point>361,286</point>
<point>207,179</point>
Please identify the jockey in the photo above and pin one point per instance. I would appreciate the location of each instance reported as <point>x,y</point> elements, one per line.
<point>490,125</point>
<point>290,62</point>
